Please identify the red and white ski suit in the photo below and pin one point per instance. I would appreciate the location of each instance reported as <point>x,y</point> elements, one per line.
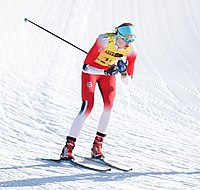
<point>102,55</point>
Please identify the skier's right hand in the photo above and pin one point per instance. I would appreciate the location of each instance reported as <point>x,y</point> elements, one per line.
<point>113,70</point>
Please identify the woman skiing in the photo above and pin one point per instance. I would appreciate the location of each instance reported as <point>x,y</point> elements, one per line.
<point>111,53</point>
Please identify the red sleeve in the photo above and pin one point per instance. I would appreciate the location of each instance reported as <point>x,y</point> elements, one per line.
<point>131,57</point>
<point>94,52</point>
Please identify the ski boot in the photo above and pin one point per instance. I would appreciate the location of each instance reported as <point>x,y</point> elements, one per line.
<point>96,151</point>
<point>68,148</point>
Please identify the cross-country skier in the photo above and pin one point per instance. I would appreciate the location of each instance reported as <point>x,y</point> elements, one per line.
<point>111,53</point>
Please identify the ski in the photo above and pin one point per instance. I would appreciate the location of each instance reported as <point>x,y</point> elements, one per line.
<point>76,163</point>
<point>108,163</point>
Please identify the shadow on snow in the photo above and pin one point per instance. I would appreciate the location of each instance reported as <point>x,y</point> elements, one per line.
<point>93,176</point>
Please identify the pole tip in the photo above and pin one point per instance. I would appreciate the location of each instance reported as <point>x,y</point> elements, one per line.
<point>25,19</point>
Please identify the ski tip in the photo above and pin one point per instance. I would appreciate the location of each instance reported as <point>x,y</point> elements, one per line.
<point>25,19</point>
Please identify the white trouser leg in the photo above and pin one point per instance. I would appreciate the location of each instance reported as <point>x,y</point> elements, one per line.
<point>77,125</point>
<point>78,122</point>
<point>104,120</point>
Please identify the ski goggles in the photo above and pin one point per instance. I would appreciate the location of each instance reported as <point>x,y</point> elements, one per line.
<point>131,40</point>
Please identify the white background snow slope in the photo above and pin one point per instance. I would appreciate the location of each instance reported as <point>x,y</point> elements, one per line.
<point>155,125</point>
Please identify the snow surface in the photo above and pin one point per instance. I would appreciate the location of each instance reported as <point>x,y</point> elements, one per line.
<point>155,125</point>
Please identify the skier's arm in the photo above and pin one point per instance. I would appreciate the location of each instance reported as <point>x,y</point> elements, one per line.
<point>96,49</point>
<point>125,75</point>
<point>131,57</point>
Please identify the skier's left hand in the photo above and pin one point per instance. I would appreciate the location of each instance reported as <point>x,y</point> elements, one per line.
<point>121,66</point>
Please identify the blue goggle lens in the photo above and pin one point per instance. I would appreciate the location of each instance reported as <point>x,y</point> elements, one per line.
<point>128,39</point>
<point>125,38</point>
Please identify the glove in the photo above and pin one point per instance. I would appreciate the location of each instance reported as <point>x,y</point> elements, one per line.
<point>113,70</point>
<point>121,65</point>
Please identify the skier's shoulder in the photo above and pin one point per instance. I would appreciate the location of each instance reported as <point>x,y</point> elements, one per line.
<point>103,39</point>
<point>106,38</point>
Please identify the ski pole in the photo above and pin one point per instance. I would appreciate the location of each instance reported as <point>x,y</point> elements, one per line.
<point>27,20</point>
